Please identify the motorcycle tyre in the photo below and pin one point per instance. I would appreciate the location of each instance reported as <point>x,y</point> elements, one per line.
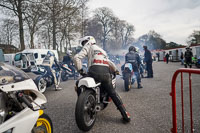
<point>64,76</point>
<point>38,81</point>
<point>127,81</point>
<point>43,122</point>
<point>79,111</point>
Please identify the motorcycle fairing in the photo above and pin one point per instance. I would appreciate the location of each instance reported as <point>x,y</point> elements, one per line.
<point>88,82</point>
<point>129,66</point>
<point>22,122</point>
<point>25,85</point>
<point>67,67</point>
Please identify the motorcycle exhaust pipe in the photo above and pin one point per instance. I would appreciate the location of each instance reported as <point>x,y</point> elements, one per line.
<point>98,108</point>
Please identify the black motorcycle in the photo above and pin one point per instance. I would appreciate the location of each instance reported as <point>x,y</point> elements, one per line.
<point>198,63</point>
<point>68,72</point>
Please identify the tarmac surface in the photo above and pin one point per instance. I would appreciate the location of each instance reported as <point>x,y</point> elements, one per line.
<point>150,107</point>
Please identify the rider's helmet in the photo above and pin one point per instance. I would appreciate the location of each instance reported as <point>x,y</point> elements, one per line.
<point>87,39</point>
<point>187,48</point>
<point>50,53</point>
<point>145,47</point>
<point>131,48</point>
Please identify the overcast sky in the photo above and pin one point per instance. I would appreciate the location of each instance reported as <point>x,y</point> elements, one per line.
<point>175,20</point>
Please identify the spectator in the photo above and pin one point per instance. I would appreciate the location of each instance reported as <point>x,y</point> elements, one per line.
<point>167,58</point>
<point>188,57</point>
<point>182,58</point>
<point>158,55</point>
<point>148,61</point>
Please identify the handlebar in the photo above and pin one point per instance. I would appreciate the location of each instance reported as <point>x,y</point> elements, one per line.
<point>23,98</point>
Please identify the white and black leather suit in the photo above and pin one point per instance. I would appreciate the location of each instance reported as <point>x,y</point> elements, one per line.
<point>99,68</point>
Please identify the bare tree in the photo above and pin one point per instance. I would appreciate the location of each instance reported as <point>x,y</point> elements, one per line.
<point>105,16</point>
<point>9,31</point>
<point>17,7</point>
<point>34,17</point>
<point>126,32</point>
<point>93,28</point>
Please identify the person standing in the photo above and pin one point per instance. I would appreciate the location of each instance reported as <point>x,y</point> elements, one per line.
<point>167,58</point>
<point>188,57</point>
<point>148,61</point>
<point>158,55</point>
<point>182,58</point>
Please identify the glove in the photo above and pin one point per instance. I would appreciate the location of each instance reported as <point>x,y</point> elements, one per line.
<point>117,72</point>
<point>82,72</point>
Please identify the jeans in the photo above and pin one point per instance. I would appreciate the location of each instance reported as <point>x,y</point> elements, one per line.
<point>137,76</point>
<point>149,69</point>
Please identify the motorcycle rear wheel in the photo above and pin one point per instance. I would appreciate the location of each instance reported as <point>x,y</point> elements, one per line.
<point>64,76</point>
<point>85,112</point>
<point>43,125</point>
<point>127,81</point>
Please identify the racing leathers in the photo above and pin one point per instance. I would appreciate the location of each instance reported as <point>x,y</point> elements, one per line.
<point>134,58</point>
<point>50,64</point>
<point>100,68</point>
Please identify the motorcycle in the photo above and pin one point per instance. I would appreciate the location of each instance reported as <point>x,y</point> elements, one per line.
<point>21,104</point>
<point>198,63</point>
<point>127,71</point>
<point>45,79</point>
<point>67,72</point>
<point>92,98</point>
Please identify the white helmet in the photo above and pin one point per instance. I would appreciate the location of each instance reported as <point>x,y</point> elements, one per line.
<point>69,52</point>
<point>87,39</point>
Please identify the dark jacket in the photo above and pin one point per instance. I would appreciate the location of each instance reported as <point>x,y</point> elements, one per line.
<point>188,54</point>
<point>133,58</point>
<point>67,60</point>
<point>147,56</point>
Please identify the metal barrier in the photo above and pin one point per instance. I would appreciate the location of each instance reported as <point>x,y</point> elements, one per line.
<point>173,94</point>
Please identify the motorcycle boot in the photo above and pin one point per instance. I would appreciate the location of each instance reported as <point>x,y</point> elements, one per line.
<point>139,86</point>
<point>124,113</point>
<point>57,88</point>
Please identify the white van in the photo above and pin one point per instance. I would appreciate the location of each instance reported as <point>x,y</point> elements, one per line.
<point>39,54</point>
<point>9,58</point>
<point>30,59</point>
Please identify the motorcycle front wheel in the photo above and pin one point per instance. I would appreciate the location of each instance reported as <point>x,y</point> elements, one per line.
<point>41,84</point>
<point>85,112</point>
<point>43,125</point>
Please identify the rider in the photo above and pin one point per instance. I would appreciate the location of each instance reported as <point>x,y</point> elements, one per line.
<point>133,57</point>
<point>67,60</point>
<point>50,63</point>
<point>99,68</point>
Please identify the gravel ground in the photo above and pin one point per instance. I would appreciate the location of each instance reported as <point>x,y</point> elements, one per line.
<point>150,107</point>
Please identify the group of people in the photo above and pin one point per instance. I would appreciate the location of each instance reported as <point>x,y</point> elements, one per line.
<point>100,67</point>
<point>186,58</point>
<point>133,57</point>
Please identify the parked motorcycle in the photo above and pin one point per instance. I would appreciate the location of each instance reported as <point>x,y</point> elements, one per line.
<point>67,72</point>
<point>92,98</point>
<point>21,104</point>
<point>127,71</point>
<point>45,79</point>
<point>198,63</point>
